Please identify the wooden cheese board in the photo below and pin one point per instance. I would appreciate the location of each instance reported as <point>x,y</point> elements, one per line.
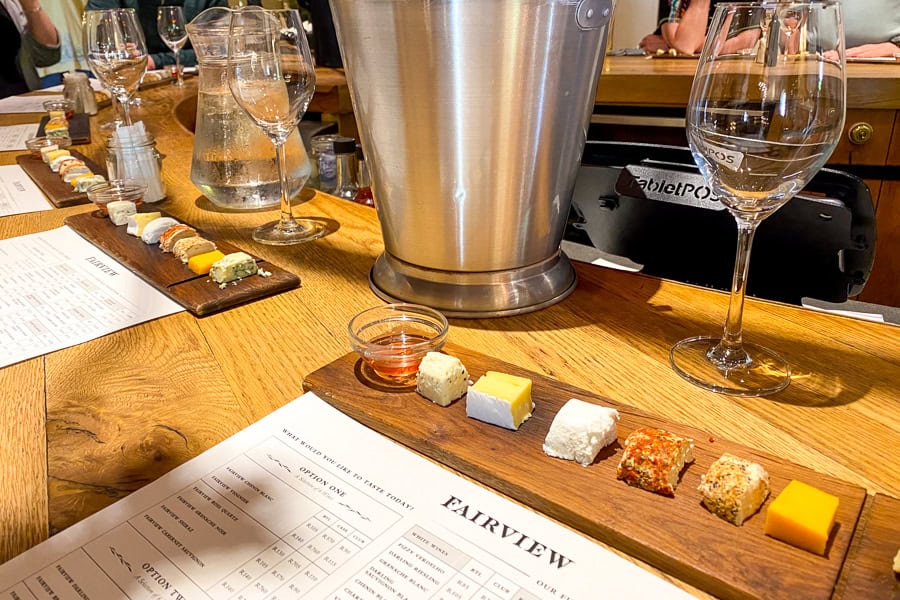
<point>164,271</point>
<point>79,128</point>
<point>677,535</point>
<point>60,193</point>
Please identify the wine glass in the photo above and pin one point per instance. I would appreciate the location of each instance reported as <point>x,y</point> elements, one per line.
<point>116,51</point>
<point>766,110</point>
<point>170,25</point>
<point>272,78</point>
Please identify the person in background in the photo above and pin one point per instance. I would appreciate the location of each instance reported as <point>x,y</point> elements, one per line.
<point>652,42</point>
<point>160,55</point>
<point>871,27</point>
<point>28,39</point>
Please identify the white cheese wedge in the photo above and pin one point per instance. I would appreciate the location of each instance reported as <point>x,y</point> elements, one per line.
<point>441,378</point>
<point>120,210</point>
<point>579,430</point>
<point>500,399</point>
<point>155,228</point>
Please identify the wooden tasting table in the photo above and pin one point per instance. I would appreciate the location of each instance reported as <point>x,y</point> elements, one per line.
<point>87,425</point>
<point>630,83</point>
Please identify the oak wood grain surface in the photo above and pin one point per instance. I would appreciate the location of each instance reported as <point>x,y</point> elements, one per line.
<point>87,425</point>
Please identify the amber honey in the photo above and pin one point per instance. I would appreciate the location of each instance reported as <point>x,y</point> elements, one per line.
<point>396,355</point>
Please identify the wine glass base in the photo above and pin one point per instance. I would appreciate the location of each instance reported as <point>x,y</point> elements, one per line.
<point>297,232</point>
<point>766,373</point>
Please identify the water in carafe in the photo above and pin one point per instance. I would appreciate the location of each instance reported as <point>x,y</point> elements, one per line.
<point>233,161</point>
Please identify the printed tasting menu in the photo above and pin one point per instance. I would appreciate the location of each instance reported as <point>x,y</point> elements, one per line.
<point>308,503</point>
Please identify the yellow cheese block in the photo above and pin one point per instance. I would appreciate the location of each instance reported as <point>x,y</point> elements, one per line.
<point>803,516</point>
<point>202,263</point>
<point>500,399</point>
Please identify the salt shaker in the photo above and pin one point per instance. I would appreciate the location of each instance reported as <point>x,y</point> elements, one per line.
<point>345,159</point>
<point>77,89</point>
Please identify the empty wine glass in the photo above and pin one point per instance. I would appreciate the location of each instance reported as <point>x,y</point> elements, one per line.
<point>272,78</point>
<point>170,25</point>
<point>766,110</point>
<point>116,51</point>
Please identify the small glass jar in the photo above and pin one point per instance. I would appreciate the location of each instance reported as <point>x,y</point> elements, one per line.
<point>137,161</point>
<point>364,193</point>
<point>102,194</point>
<point>345,172</point>
<point>35,144</point>
<point>67,107</point>
<point>322,155</point>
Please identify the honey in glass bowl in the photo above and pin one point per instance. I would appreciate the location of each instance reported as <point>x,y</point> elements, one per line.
<point>392,339</point>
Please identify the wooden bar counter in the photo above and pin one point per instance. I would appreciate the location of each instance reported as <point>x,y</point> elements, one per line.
<point>870,145</point>
<point>87,425</point>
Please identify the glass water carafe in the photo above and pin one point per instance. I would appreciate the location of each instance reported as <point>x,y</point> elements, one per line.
<point>233,162</point>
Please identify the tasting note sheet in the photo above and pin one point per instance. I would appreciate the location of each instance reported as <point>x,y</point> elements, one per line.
<point>13,137</point>
<point>58,290</point>
<point>308,503</point>
<point>18,193</point>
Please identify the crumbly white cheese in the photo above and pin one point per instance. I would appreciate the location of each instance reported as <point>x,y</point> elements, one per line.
<point>120,210</point>
<point>441,378</point>
<point>579,430</point>
<point>236,265</point>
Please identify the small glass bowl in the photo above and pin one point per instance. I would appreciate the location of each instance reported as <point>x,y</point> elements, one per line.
<point>102,194</point>
<point>392,339</point>
<point>64,106</point>
<point>35,144</point>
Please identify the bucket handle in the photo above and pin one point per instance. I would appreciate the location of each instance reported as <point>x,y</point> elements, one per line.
<point>593,14</point>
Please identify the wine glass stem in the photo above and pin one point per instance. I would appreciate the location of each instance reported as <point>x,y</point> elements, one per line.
<point>179,80</point>
<point>730,351</point>
<point>287,215</point>
<point>124,102</point>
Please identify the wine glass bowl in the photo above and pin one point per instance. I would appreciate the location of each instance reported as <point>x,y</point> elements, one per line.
<point>116,51</point>
<point>272,78</point>
<point>766,110</point>
<point>172,31</point>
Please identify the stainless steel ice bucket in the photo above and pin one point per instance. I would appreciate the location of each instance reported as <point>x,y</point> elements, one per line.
<point>473,115</point>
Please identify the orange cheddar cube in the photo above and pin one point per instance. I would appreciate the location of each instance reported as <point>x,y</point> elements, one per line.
<point>202,263</point>
<point>803,516</point>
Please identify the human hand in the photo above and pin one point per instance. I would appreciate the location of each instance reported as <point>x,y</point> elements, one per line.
<point>150,64</point>
<point>885,49</point>
<point>652,42</point>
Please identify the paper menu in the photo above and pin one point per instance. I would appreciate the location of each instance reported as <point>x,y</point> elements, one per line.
<point>307,503</point>
<point>18,193</point>
<point>58,290</point>
<point>13,137</point>
<point>27,104</point>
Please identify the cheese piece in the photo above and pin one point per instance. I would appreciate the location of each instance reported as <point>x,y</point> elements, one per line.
<point>54,154</point>
<point>441,378</point>
<point>74,172</point>
<point>202,263</point>
<point>500,399</point>
<point>579,430</point>
<point>174,233</point>
<point>47,150</point>
<point>653,459</point>
<point>236,265</point>
<point>57,161</point>
<point>803,516</point>
<point>120,210</point>
<point>188,247</point>
<point>138,221</point>
<point>733,488</point>
<point>85,182</point>
<point>155,228</point>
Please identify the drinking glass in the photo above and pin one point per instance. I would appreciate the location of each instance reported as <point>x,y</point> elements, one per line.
<point>170,25</point>
<point>272,78</point>
<point>765,112</point>
<point>116,51</point>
